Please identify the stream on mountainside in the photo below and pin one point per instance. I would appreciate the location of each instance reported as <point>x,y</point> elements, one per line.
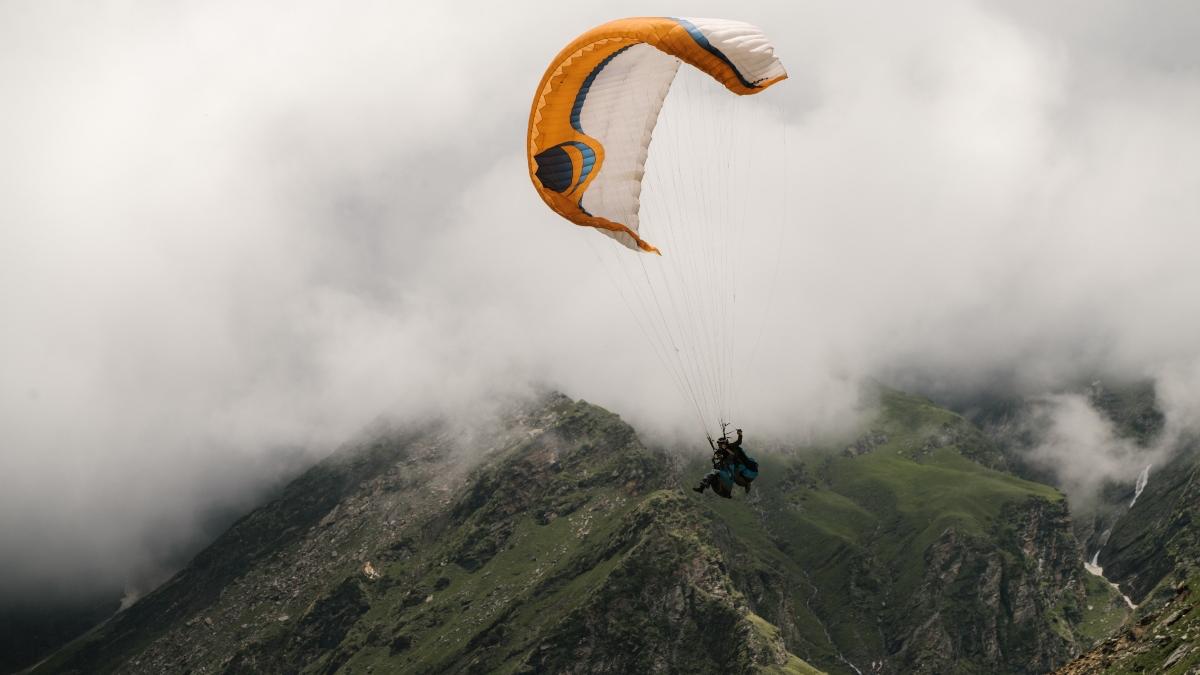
<point>1093,567</point>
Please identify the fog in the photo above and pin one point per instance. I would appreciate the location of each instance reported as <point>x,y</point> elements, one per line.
<point>232,235</point>
<point>1084,450</point>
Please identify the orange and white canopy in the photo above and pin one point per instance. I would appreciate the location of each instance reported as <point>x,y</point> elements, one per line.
<point>596,107</point>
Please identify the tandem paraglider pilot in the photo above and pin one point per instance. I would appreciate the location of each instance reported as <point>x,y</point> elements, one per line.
<point>731,466</point>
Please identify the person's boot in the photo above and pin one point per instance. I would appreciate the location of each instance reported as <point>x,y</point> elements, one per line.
<point>699,488</point>
<point>747,486</point>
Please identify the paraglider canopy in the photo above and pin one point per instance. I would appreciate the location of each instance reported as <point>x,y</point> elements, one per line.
<point>597,104</point>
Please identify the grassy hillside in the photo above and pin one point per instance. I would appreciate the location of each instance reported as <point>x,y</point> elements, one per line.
<point>1105,611</point>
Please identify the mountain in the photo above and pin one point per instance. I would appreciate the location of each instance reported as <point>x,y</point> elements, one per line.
<point>1143,531</point>
<point>1165,641</point>
<point>553,540</point>
<point>1157,543</point>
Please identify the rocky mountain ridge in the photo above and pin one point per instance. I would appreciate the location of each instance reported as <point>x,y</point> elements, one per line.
<point>572,547</point>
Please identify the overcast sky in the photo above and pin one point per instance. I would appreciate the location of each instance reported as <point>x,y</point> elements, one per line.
<point>234,233</point>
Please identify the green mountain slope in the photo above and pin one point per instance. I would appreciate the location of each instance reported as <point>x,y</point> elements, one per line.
<point>898,551</point>
<point>571,547</point>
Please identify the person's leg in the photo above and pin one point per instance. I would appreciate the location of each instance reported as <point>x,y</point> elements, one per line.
<point>722,488</point>
<point>746,475</point>
<point>722,483</point>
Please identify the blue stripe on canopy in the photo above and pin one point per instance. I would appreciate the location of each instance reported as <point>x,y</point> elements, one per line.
<point>587,84</point>
<point>708,46</point>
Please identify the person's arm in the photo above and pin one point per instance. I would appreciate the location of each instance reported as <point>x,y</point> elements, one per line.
<point>738,443</point>
<point>739,453</point>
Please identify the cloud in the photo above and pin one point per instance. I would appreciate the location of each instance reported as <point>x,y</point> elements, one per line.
<point>233,236</point>
<point>1082,449</point>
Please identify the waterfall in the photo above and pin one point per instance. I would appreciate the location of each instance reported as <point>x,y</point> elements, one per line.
<point>1096,559</point>
<point>1143,478</point>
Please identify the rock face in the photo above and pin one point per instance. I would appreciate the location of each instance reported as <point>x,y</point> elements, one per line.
<point>667,599</point>
<point>571,547</point>
<point>983,605</point>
